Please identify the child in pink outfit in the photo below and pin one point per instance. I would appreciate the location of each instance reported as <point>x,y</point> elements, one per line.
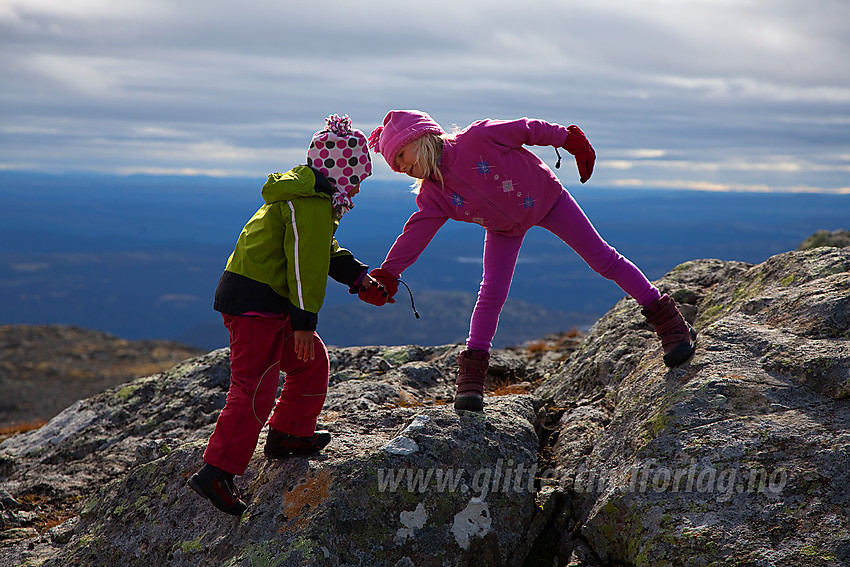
<point>484,174</point>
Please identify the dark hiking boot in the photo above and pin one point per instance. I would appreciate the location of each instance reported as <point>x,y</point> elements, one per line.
<point>472,372</point>
<point>677,336</point>
<point>280,445</point>
<point>217,486</point>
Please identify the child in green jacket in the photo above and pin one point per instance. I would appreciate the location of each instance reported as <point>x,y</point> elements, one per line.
<point>269,295</point>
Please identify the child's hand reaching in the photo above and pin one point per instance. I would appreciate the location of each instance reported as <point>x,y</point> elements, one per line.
<point>305,347</point>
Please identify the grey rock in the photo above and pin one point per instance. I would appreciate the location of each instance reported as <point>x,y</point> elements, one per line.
<point>403,480</point>
<point>357,503</point>
<point>738,457</point>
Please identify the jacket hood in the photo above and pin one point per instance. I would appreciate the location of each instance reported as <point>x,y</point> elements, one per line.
<point>300,181</point>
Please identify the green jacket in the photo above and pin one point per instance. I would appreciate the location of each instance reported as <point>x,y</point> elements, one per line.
<point>286,252</point>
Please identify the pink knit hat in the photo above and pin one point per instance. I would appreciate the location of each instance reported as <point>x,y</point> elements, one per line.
<point>340,153</point>
<point>400,128</point>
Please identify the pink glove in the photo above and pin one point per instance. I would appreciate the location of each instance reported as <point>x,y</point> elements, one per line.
<point>380,290</point>
<point>578,146</point>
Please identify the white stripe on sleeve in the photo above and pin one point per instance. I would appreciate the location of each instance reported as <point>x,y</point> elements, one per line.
<point>297,261</point>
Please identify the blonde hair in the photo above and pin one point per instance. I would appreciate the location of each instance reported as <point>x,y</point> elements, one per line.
<point>429,149</point>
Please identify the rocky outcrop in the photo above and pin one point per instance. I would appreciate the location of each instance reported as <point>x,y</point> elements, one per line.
<point>406,478</point>
<point>836,238</point>
<point>737,458</point>
<point>589,453</point>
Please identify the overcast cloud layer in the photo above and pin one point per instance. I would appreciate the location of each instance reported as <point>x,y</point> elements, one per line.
<point>706,94</point>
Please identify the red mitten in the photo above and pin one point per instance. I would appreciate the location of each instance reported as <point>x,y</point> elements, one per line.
<point>578,146</point>
<point>386,279</point>
<point>379,288</point>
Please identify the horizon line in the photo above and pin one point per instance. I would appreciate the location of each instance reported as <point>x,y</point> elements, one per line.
<point>623,184</point>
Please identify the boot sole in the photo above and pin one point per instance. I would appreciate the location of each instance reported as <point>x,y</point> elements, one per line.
<point>272,454</point>
<point>277,455</point>
<point>683,351</point>
<point>280,453</point>
<point>469,403</point>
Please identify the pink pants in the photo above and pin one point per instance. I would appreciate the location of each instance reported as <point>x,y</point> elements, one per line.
<point>260,348</point>
<point>568,222</point>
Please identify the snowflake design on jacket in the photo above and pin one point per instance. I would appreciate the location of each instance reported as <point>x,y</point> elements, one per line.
<point>457,200</point>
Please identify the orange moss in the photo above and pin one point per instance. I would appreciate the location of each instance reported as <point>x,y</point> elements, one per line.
<point>21,427</point>
<point>44,523</point>
<point>510,389</point>
<point>303,499</point>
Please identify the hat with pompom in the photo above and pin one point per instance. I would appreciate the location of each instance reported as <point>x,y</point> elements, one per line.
<point>401,127</point>
<point>340,153</point>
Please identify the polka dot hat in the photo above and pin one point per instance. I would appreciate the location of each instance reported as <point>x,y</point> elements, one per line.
<point>340,153</point>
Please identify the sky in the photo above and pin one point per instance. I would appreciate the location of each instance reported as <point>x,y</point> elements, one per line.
<point>715,95</point>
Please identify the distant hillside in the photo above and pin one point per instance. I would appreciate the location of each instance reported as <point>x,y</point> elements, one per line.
<point>444,318</point>
<point>45,368</point>
<point>140,256</point>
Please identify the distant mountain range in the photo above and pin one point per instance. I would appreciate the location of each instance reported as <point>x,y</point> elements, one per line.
<point>140,256</point>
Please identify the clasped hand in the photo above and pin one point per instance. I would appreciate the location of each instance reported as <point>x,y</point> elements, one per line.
<point>378,287</point>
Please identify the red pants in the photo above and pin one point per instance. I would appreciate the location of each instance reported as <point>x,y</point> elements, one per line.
<point>260,348</point>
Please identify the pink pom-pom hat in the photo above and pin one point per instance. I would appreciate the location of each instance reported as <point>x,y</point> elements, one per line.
<point>401,127</point>
<point>340,153</point>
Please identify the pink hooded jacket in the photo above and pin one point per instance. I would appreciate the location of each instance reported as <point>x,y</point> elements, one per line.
<point>490,179</point>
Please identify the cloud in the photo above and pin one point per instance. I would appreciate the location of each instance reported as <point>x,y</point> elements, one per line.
<point>702,88</point>
<point>691,185</point>
<point>737,88</point>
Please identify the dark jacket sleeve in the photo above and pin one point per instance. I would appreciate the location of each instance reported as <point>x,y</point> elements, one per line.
<point>303,320</point>
<point>347,269</point>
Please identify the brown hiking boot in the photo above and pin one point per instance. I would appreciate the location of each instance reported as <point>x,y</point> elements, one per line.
<point>472,372</point>
<point>677,336</point>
